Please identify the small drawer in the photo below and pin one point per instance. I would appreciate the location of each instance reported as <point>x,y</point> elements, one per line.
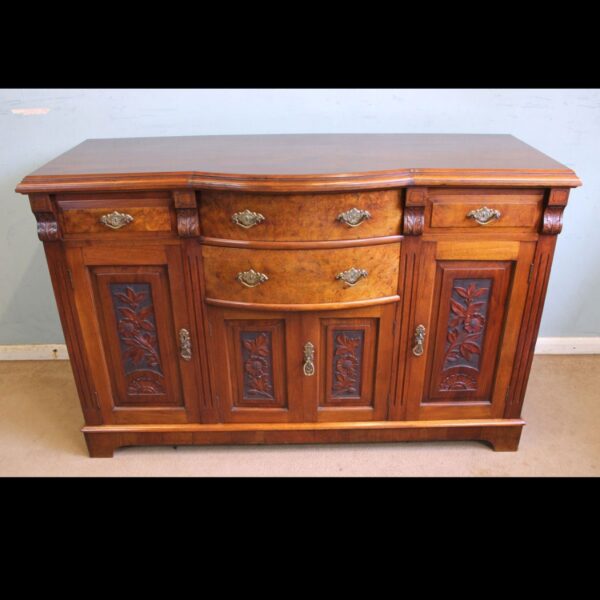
<point>301,277</point>
<point>484,209</point>
<point>300,217</point>
<point>116,214</point>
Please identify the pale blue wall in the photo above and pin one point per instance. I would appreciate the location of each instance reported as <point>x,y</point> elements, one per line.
<point>562,123</point>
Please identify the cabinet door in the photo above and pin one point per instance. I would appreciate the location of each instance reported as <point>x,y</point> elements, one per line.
<point>138,331</point>
<point>468,310</point>
<point>255,362</point>
<point>353,358</point>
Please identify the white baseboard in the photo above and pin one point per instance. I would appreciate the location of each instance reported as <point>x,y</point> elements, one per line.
<point>568,345</point>
<point>34,352</point>
<point>545,345</point>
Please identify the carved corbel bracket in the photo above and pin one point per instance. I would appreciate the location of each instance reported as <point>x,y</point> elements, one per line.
<point>414,211</point>
<point>45,215</point>
<point>552,221</point>
<point>186,207</point>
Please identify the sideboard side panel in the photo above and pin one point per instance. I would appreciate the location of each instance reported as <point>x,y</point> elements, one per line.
<point>62,284</point>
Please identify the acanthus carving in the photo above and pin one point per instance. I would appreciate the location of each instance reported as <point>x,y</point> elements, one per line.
<point>414,220</point>
<point>186,207</point>
<point>552,220</point>
<point>47,227</point>
<point>44,210</point>
<point>347,354</point>
<point>414,211</point>
<point>256,356</point>
<point>188,222</point>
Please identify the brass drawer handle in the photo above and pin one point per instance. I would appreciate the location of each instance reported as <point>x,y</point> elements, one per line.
<point>484,215</point>
<point>354,217</point>
<point>185,344</point>
<point>251,278</point>
<point>419,340</point>
<point>247,218</point>
<point>352,276</point>
<point>116,220</point>
<point>309,359</point>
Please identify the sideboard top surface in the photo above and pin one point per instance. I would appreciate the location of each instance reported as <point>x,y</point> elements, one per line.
<point>298,162</point>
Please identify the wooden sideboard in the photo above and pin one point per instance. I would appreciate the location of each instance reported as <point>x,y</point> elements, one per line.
<point>300,288</point>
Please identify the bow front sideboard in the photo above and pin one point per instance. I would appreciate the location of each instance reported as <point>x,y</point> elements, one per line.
<point>300,288</point>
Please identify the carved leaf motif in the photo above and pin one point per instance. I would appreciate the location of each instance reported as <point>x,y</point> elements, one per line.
<point>346,363</point>
<point>466,325</point>
<point>257,365</point>
<point>136,328</point>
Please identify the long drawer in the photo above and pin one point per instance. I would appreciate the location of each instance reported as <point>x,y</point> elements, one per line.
<point>300,217</point>
<point>301,277</point>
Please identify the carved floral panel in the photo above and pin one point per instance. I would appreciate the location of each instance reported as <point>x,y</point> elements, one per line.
<point>467,322</point>
<point>347,362</point>
<point>257,364</point>
<point>136,325</point>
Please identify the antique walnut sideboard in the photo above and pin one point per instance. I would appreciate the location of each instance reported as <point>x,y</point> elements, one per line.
<point>300,288</point>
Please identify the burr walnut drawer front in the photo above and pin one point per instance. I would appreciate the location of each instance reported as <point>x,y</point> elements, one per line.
<point>484,209</point>
<point>301,277</point>
<point>300,217</point>
<point>116,215</point>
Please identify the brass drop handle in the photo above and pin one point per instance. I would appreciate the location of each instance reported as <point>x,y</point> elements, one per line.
<point>247,218</point>
<point>484,215</point>
<point>251,278</point>
<point>309,359</point>
<point>353,217</point>
<point>185,344</point>
<point>419,340</point>
<point>352,276</point>
<point>116,220</point>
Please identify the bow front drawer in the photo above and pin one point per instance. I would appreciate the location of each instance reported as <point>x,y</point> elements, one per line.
<point>301,279</point>
<point>300,217</point>
<point>484,209</point>
<point>115,215</point>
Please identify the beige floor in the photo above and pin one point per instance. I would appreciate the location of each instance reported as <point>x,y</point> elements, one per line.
<point>40,421</point>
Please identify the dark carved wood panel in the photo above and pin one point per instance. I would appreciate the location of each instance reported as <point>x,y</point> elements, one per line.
<point>347,362</point>
<point>466,328</point>
<point>257,361</point>
<point>136,322</point>
<point>256,356</point>
<point>469,312</point>
<point>349,355</point>
<point>136,326</point>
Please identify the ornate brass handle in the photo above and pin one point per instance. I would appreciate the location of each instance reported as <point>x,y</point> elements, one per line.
<point>352,276</point>
<point>247,218</point>
<point>419,340</point>
<point>354,217</point>
<point>116,220</point>
<point>309,359</point>
<point>484,215</point>
<point>251,278</point>
<point>185,344</point>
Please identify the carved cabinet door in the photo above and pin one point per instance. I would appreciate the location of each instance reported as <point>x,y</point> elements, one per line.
<point>352,357</point>
<point>464,324</point>
<point>138,332</point>
<point>255,364</point>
